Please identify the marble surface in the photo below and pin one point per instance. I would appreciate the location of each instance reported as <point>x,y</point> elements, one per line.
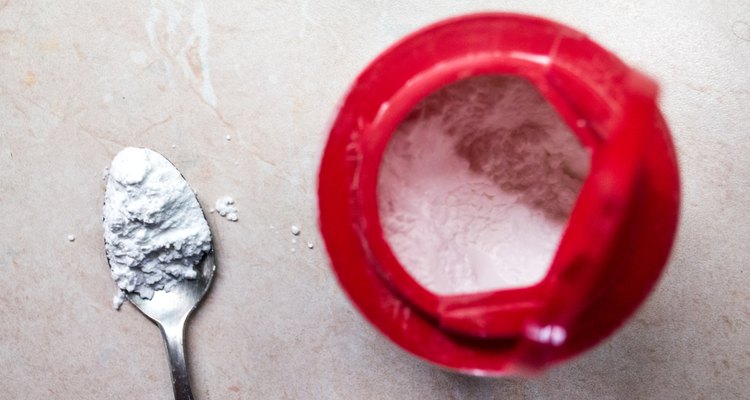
<point>81,80</point>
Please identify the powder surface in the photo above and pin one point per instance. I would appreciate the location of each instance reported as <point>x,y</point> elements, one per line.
<point>154,229</point>
<point>476,186</point>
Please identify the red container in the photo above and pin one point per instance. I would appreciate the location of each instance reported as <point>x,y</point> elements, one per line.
<point>619,234</point>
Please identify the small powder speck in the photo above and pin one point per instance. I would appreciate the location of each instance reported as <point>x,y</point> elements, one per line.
<point>229,138</point>
<point>294,240</point>
<point>174,146</point>
<point>118,299</point>
<point>295,230</point>
<point>292,250</point>
<point>226,208</point>
<point>71,238</point>
<point>310,245</point>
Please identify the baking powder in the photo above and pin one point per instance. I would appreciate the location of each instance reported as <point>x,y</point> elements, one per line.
<point>226,208</point>
<point>477,184</point>
<point>154,229</point>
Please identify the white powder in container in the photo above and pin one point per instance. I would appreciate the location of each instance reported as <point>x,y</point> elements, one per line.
<point>154,229</point>
<point>477,184</point>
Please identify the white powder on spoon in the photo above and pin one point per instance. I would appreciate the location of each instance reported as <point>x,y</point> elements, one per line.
<point>154,229</point>
<point>477,184</point>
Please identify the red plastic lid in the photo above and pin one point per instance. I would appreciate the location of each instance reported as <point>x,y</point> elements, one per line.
<point>619,234</point>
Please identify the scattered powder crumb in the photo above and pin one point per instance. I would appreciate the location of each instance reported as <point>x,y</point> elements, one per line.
<point>226,208</point>
<point>295,230</point>
<point>118,299</point>
<point>174,146</point>
<point>477,184</point>
<point>310,245</point>
<point>71,238</point>
<point>292,250</point>
<point>294,240</point>
<point>229,138</point>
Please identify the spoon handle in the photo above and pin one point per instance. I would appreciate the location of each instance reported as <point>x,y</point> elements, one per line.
<point>174,339</point>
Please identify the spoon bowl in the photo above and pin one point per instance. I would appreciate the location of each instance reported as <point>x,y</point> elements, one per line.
<point>177,304</point>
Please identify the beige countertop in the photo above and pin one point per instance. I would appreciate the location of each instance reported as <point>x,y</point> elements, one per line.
<point>81,80</point>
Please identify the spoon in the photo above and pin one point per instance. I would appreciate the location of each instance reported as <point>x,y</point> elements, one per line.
<point>170,311</point>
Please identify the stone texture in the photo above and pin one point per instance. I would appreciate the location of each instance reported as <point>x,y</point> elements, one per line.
<point>81,80</point>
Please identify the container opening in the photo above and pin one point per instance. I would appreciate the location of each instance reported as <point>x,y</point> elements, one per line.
<point>477,184</point>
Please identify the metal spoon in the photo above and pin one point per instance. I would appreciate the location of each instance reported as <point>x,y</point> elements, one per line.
<point>170,311</point>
